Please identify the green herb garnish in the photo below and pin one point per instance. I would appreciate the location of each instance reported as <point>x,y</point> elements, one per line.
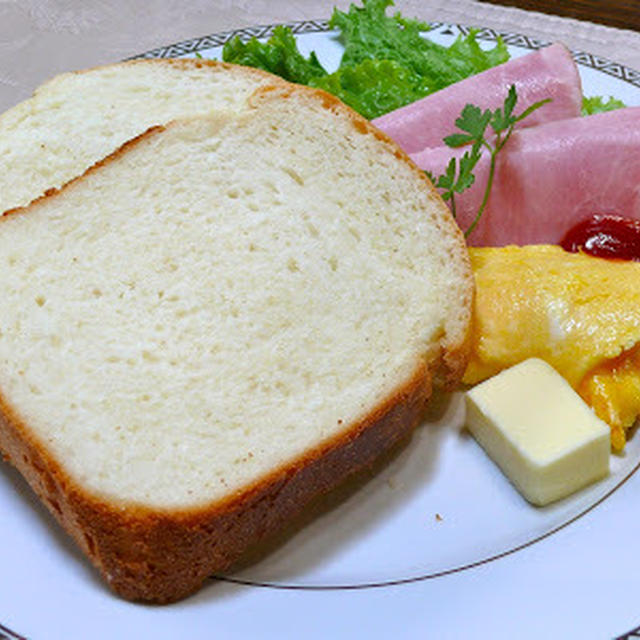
<point>473,122</point>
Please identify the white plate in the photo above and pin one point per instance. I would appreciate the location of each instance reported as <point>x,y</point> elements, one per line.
<point>436,543</point>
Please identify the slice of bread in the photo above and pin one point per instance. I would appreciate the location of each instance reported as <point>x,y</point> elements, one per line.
<point>77,119</point>
<point>225,318</point>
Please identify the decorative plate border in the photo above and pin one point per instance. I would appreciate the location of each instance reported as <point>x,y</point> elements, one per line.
<point>218,39</point>
<point>194,45</point>
<point>7,634</point>
<point>630,635</point>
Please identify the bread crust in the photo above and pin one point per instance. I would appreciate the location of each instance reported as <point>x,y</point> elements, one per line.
<point>162,555</point>
<point>180,63</point>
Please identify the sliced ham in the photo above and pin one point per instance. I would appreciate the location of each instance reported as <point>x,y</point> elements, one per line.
<point>547,73</point>
<point>549,178</point>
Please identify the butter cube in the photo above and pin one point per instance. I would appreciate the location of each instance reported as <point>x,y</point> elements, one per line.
<point>539,431</point>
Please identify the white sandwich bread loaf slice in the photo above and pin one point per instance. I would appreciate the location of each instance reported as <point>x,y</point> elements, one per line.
<point>78,118</point>
<point>224,319</point>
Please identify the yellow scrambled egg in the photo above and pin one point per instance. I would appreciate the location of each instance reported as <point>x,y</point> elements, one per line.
<point>580,314</point>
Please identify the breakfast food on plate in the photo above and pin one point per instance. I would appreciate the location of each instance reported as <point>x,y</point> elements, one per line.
<point>76,119</point>
<point>605,236</point>
<point>509,150</point>
<point>550,177</point>
<point>578,313</point>
<point>223,319</point>
<point>539,431</point>
<point>547,73</point>
<point>386,61</point>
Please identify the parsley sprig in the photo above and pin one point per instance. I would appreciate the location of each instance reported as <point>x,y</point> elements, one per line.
<point>473,122</point>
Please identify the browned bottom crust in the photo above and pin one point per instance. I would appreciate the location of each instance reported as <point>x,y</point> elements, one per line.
<point>164,556</point>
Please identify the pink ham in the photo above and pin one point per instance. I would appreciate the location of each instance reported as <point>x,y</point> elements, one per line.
<point>551,177</point>
<point>548,73</point>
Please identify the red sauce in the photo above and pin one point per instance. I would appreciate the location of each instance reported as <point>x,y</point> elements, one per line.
<point>605,236</point>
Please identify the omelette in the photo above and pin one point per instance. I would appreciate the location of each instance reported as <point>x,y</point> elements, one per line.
<point>579,313</point>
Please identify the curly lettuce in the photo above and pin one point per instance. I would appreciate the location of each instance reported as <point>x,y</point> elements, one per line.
<point>373,87</point>
<point>386,62</point>
<point>598,104</point>
<point>279,55</point>
<point>369,34</point>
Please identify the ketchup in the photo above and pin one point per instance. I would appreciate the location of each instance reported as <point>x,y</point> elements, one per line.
<point>605,236</point>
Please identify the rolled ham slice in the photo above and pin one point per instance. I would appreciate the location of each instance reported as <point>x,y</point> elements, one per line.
<point>549,178</point>
<point>547,73</point>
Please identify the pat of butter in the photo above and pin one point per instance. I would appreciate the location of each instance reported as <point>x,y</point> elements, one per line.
<point>539,431</point>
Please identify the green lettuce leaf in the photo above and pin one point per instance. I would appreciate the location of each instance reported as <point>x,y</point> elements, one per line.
<point>374,87</point>
<point>598,104</point>
<point>279,55</point>
<point>369,34</point>
<point>473,56</point>
<point>408,66</point>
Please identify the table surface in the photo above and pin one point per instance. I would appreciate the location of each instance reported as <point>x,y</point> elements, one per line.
<point>40,39</point>
<point>623,14</point>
